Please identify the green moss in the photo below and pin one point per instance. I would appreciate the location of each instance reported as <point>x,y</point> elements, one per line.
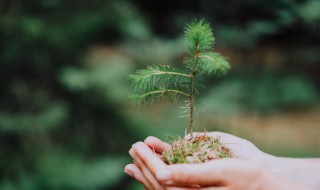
<point>196,150</point>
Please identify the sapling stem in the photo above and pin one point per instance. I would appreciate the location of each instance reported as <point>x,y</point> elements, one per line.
<point>193,75</point>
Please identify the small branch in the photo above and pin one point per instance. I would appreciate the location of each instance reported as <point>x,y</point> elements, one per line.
<point>167,73</point>
<point>164,91</point>
<point>207,57</point>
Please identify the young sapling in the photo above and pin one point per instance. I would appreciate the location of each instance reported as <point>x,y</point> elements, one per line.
<point>164,81</point>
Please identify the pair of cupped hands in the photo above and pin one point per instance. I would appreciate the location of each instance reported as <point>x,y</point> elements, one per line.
<point>250,169</point>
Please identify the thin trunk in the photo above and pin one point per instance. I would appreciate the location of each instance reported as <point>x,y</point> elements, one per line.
<point>191,105</point>
<point>193,74</point>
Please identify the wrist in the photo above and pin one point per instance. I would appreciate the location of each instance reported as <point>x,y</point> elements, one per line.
<point>270,181</point>
<point>277,165</point>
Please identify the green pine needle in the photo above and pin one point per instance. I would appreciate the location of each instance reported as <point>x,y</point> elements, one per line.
<point>144,80</point>
<point>157,93</point>
<point>213,64</point>
<point>199,33</point>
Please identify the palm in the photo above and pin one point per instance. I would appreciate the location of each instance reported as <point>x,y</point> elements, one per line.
<point>241,148</point>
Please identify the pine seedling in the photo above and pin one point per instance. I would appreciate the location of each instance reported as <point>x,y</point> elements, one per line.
<point>158,82</point>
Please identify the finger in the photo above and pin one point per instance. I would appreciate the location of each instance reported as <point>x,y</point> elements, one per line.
<point>132,154</point>
<point>151,160</point>
<point>181,188</point>
<point>157,144</point>
<point>135,172</point>
<point>145,172</point>
<point>209,173</point>
<point>204,188</point>
<point>148,175</point>
<point>214,188</point>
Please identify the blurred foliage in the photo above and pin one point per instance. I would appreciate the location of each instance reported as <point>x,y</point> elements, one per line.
<point>264,94</point>
<point>65,120</point>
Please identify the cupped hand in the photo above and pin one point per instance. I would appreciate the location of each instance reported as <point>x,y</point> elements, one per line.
<point>223,174</point>
<point>241,148</point>
<point>147,164</point>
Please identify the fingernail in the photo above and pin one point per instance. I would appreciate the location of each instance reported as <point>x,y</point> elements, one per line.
<point>131,152</point>
<point>164,175</point>
<point>147,139</point>
<point>128,172</point>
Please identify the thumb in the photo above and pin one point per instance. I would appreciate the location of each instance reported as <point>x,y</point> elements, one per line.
<point>209,173</point>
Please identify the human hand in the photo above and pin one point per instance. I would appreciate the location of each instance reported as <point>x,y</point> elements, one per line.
<point>240,147</point>
<point>223,174</point>
<point>145,171</point>
<point>217,174</point>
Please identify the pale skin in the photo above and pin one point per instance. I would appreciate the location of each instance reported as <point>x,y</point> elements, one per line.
<point>251,169</point>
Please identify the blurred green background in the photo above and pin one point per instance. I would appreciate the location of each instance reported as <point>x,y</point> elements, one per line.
<point>65,118</point>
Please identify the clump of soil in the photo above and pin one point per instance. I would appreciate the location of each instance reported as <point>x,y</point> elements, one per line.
<point>198,149</point>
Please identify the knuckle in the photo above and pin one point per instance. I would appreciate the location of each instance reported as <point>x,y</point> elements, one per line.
<point>180,176</point>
